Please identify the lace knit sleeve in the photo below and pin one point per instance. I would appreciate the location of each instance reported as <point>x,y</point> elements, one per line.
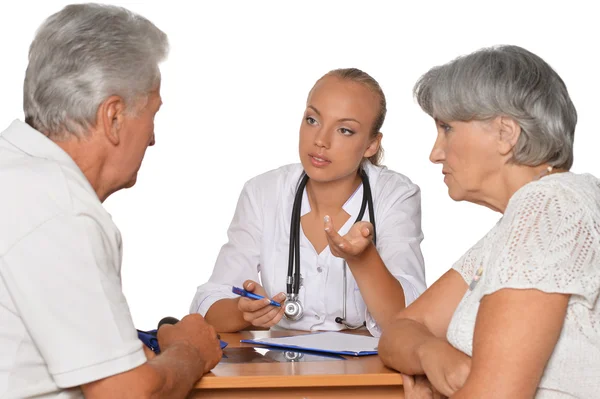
<point>468,264</point>
<point>548,241</point>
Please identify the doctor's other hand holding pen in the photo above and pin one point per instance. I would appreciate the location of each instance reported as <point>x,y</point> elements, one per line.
<point>261,312</point>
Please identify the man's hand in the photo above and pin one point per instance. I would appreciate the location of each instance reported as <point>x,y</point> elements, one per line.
<point>193,331</point>
<point>148,352</point>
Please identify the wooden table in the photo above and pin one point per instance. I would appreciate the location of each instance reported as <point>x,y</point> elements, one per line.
<point>253,371</point>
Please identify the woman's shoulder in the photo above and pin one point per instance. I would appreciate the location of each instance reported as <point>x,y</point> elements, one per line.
<point>384,178</point>
<point>548,239</point>
<point>561,190</point>
<point>276,179</point>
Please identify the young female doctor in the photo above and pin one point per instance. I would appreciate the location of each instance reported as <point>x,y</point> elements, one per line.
<point>335,239</point>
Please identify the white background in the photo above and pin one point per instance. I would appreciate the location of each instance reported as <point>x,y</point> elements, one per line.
<point>234,89</point>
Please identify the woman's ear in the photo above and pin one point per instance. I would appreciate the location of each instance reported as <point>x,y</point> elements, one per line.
<point>110,118</point>
<point>510,131</point>
<point>373,146</point>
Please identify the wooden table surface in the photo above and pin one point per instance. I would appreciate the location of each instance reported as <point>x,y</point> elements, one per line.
<point>249,371</point>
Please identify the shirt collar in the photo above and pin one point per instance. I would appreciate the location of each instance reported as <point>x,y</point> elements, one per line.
<point>36,144</point>
<point>351,206</point>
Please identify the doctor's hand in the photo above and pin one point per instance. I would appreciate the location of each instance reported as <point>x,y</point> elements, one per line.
<point>259,312</point>
<point>353,244</point>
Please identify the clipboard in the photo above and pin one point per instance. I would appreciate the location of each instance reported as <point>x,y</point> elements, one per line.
<point>327,342</point>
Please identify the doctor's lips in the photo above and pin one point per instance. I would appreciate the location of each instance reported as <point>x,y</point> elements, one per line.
<point>319,160</point>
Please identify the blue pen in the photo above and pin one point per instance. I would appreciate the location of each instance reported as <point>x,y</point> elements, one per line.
<point>243,292</point>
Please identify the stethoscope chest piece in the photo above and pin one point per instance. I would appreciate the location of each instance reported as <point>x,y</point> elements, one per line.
<point>292,308</point>
<point>293,356</point>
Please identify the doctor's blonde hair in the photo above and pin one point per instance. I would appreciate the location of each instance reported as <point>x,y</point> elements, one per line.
<point>358,76</point>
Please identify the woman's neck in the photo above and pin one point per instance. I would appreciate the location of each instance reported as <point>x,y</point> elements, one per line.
<point>329,197</point>
<point>506,184</point>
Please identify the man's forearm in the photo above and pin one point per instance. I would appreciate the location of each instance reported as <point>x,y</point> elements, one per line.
<point>176,371</point>
<point>172,374</point>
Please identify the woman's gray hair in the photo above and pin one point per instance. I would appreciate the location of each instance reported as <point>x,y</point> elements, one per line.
<point>506,81</point>
<point>84,54</point>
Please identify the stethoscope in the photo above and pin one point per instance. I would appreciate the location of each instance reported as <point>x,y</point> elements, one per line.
<point>293,309</point>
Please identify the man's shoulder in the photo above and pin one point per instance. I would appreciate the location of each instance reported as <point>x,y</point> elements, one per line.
<point>35,191</point>
<point>28,178</point>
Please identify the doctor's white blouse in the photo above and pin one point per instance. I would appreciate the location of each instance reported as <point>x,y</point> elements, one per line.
<point>259,246</point>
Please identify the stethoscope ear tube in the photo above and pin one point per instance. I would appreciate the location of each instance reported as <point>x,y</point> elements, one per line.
<point>367,193</point>
<point>293,276</point>
<point>293,309</point>
<point>342,320</point>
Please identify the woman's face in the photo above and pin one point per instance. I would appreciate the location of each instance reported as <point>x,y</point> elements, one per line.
<point>335,134</point>
<point>470,157</point>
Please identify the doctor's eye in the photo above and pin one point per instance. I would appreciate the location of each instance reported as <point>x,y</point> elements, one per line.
<point>346,132</point>
<point>310,120</point>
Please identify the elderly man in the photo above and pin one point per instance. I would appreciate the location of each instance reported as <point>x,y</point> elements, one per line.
<point>91,91</point>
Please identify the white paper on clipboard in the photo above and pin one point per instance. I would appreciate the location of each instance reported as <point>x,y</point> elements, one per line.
<point>329,342</point>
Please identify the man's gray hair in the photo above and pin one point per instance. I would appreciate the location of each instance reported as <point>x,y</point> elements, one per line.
<point>506,81</point>
<point>84,54</point>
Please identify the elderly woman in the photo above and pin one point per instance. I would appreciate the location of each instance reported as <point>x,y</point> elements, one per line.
<point>518,315</point>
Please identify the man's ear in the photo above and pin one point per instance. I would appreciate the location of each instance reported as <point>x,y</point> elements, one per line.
<point>111,116</point>
<point>510,131</point>
<point>373,146</point>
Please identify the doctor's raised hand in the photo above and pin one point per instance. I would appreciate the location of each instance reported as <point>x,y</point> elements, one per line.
<point>260,312</point>
<point>355,245</point>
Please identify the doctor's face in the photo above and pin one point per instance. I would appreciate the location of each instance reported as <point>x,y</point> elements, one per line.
<point>335,134</point>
